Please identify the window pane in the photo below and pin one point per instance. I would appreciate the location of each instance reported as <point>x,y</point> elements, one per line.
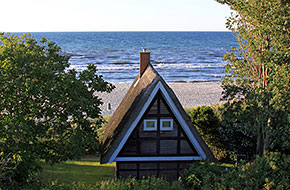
<point>150,124</point>
<point>166,124</point>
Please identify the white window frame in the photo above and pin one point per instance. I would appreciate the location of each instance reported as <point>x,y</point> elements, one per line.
<point>150,128</point>
<point>166,128</point>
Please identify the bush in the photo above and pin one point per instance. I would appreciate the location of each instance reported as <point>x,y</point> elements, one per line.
<point>55,185</point>
<point>7,167</point>
<point>207,123</point>
<point>237,127</point>
<point>132,184</point>
<point>202,175</point>
<point>14,166</point>
<point>268,172</point>
<point>122,184</point>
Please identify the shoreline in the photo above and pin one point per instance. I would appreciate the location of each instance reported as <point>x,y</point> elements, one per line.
<point>189,94</point>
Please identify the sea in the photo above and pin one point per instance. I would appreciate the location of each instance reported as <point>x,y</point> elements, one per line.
<point>177,56</point>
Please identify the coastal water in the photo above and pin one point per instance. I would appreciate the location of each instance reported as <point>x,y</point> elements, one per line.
<point>177,56</point>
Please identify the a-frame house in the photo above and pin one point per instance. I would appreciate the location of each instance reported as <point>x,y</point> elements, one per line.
<point>150,133</point>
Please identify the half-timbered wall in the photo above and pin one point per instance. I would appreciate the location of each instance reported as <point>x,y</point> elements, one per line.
<point>169,170</point>
<point>158,143</point>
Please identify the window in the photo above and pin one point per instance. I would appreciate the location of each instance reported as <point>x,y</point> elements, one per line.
<point>166,124</point>
<point>150,124</point>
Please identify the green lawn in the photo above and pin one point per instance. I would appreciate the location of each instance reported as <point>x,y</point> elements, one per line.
<point>87,172</point>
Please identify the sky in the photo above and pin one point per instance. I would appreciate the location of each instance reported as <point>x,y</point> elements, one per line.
<point>112,15</point>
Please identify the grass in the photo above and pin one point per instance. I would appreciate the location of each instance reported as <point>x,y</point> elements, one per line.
<point>87,172</point>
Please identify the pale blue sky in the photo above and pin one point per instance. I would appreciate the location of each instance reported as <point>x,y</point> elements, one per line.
<point>112,15</point>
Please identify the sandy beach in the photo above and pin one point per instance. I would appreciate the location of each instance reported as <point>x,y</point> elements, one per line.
<point>189,94</point>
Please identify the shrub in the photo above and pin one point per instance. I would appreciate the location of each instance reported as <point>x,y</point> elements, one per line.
<point>207,123</point>
<point>7,167</point>
<point>144,184</point>
<point>202,175</point>
<point>55,185</point>
<point>236,127</point>
<point>268,172</point>
<point>121,184</point>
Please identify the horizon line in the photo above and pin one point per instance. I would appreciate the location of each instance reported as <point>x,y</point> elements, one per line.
<point>121,31</point>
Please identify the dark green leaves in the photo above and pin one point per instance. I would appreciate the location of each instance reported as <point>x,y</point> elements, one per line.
<point>258,74</point>
<point>44,106</point>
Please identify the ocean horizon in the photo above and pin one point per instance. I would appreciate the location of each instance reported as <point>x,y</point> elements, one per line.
<point>179,56</point>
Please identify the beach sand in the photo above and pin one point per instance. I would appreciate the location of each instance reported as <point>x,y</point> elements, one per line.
<point>189,95</point>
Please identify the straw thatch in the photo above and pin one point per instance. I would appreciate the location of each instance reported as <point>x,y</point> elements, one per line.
<point>131,106</point>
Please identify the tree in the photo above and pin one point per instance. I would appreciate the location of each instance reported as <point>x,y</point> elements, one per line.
<point>208,125</point>
<point>259,68</point>
<point>45,105</point>
<point>206,122</point>
<point>235,127</point>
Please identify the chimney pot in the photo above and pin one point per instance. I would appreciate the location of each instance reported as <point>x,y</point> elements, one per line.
<point>144,60</point>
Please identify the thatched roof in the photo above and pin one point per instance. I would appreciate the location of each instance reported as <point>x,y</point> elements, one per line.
<point>131,106</point>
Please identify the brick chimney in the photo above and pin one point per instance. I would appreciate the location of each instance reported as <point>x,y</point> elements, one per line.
<point>144,60</point>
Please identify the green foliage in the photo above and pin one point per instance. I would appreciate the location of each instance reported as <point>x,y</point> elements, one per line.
<point>144,184</point>
<point>7,167</point>
<point>122,184</point>
<point>206,121</point>
<point>56,185</point>
<point>268,172</point>
<point>258,71</point>
<point>236,127</point>
<point>101,130</point>
<point>61,186</point>
<point>202,175</point>
<point>280,130</point>
<point>208,124</point>
<point>44,105</point>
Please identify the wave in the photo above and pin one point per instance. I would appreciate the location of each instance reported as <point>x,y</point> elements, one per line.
<point>179,76</point>
<point>122,63</point>
<point>193,57</point>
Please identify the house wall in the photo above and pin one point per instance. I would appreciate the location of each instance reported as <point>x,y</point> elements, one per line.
<point>169,170</point>
<point>158,143</point>
<point>141,143</point>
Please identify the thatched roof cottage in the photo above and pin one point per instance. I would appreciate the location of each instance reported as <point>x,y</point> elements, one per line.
<point>150,133</point>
